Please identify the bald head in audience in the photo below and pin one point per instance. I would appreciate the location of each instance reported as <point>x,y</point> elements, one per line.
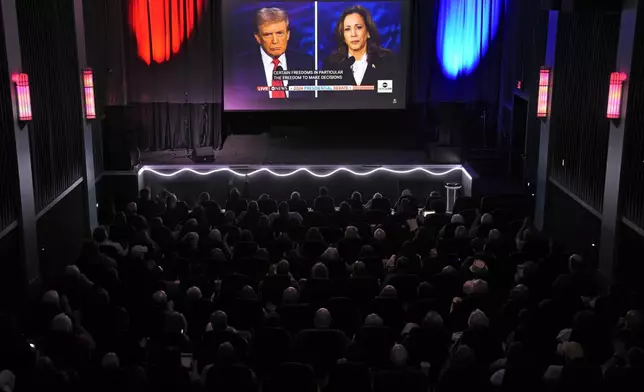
<point>399,355</point>
<point>61,323</point>
<point>219,320</point>
<point>322,319</point>
<point>194,293</point>
<point>373,320</point>
<point>290,296</point>
<point>320,270</point>
<point>389,291</point>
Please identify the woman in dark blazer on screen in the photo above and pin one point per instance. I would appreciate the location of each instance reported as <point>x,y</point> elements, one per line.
<point>359,53</point>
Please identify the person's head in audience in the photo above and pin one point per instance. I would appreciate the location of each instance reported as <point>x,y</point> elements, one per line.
<point>204,197</point>
<point>234,194</point>
<point>175,323</point>
<point>322,319</point>
<point>389,291</point>
<point>253,206</point>
<point>359,269</point>
<point>351,232</point>
<point>345,208</point>
<point>191,240</point>
<point>399,355</point>
<point>478,320</point>
<point>494,235</point>
<point>458,219</point>
<point>264,222</point>
<point>264,196</point>
<point>61,323</point>
<point>171,202</point>
<point>634,321</point>
<point>434,194</point>
<point>131,208</point>
<point>226,354</point>
<point>295,196</point>
<point>290,296</point>
<point>356,196</point>
<point>320,271</point>
<point>425,291</point>
<point>219,321</point>
<point>145,194</point>
<point>379,234</point>
<point>314,234</point>
<point>449,270</point>
<point>110,361</point>
<point>433,320</point>
<point>100,234</point>
<point>576,264</point>
<point>330,255</point>
<point>215,235</point>
<point>283,267</point>
<point>324,191</point>
<point>160,299</point>
<point>406,193</point>
<point>377,195</point>
<point>193,293</point>
<point>272,319</point>
<point>487,219</point>
<point>51,298</point>
<point>373,320</point>
<point>246,236</point>
<point>367,252</point>
<point>247,292</point>
<point>461,232</point>
<point>283,209</point>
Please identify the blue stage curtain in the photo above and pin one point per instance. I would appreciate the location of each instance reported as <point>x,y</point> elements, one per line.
<point>456,50</point>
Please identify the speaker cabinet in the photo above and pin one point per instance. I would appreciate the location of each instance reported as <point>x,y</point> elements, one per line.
<point>203,155</point>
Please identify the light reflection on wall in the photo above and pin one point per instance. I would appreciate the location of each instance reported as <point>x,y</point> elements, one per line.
<point>465,30</point>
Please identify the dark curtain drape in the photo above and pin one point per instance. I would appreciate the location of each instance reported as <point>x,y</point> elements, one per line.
<point>8,164</point>
<point>170,75</point>
<point>49,56</point>
<point>167,126</point>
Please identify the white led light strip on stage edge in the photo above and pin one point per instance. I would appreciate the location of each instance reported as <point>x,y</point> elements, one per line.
<point>303,169</point>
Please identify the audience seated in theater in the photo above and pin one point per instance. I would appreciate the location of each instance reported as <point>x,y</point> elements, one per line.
<point>271,296</point>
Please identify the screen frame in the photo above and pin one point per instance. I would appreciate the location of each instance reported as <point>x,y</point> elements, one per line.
<point>405,49</point>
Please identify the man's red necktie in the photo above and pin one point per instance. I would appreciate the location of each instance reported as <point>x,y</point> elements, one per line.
<point>277,83</point>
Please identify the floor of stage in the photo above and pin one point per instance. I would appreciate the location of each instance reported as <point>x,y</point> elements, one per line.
<point>270,150</point>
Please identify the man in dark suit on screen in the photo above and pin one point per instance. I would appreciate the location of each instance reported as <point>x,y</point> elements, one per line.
<point>256,67</point>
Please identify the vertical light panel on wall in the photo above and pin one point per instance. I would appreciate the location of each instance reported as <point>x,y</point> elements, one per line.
<point>466,29</point>
<point>617,80</point>
<point>544,90</point>
<point>88,84</point>
<point>21,82</point>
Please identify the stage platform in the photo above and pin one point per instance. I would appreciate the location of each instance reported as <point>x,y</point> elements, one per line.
<point>314,150</point>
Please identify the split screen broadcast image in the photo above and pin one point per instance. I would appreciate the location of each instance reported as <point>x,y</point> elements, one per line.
<point>314,54</point>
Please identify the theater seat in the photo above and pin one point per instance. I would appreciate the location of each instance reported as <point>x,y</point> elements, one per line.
<point>320,348</point>
<point>270,348</point>
<point>349,377</point>
<point>292,377</point>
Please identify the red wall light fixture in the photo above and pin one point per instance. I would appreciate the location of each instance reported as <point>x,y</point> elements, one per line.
<point>544,90</point>
<point>21,82</point>
<point>617,80</point>
<point>88,85</point>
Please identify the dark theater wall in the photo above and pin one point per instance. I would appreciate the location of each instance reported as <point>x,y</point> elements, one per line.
<point>571,224</point>
<point>12,282</point>
<point>61,232</point>
<point>49,56</point>
<point>8,166</point>
<point>633,161</point>
<point>586,52</point>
